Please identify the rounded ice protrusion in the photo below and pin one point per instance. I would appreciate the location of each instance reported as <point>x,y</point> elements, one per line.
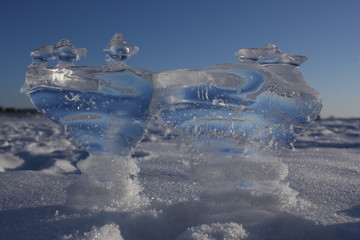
<point>66,52</point>
<point>283,58</point>
<point>43,54</point>
<point>257,53</point>
<point>269,54</point>
<point>118,49</point>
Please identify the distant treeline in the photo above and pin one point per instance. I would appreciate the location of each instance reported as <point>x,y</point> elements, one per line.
<point>26,111</point>
<point>33,111</point>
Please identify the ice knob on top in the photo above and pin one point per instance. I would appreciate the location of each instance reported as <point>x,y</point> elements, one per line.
<point>43,54</point>
<point>63,50</point>
<point>118,49</point>
<point>66,52</point>
<point>256,53</point>
<point>269,54</point>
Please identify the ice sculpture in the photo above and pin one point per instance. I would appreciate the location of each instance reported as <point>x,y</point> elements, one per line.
<point>260,103</point>
<point>106,109</point>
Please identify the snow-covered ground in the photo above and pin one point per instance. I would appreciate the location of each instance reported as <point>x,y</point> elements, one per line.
<point>311,192</point>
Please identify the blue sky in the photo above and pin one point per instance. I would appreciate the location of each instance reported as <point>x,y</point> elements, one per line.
<point>192,34</point>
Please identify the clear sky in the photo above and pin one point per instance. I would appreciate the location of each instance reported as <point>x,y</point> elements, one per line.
<point>191,34</point>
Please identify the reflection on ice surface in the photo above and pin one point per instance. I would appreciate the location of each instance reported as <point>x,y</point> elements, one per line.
<point>231,111</point>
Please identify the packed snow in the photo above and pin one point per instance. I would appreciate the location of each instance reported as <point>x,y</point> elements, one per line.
<point>309,192</point>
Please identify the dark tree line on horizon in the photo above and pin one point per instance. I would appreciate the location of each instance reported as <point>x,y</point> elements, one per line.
<point>18,111</point>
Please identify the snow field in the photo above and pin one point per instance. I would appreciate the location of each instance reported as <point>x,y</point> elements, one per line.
<point>310,193</point>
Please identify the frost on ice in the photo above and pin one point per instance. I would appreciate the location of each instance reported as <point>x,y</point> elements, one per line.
<point>229,112</point>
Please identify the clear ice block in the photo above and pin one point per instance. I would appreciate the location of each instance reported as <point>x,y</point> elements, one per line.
<point>106,108</point>
<point>263,102</point>
<point>228,110</point>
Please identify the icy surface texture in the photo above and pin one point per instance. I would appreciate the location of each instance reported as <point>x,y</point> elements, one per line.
<point>104,107</point>
<point>263,102</point>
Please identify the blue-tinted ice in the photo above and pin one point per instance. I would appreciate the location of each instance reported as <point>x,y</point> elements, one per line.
<point>106,108</point>
<point>260,103</point>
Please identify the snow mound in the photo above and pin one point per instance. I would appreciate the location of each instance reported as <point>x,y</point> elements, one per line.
<point>106,232</point>
<point>215,231</point>
<point>9,161</point>
<point>58,166</point>
<point>111,185</point>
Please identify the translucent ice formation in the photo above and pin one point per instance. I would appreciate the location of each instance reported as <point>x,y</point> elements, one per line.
<point>231,110</point>
<point>261,102</point>
<point>106,108</point>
